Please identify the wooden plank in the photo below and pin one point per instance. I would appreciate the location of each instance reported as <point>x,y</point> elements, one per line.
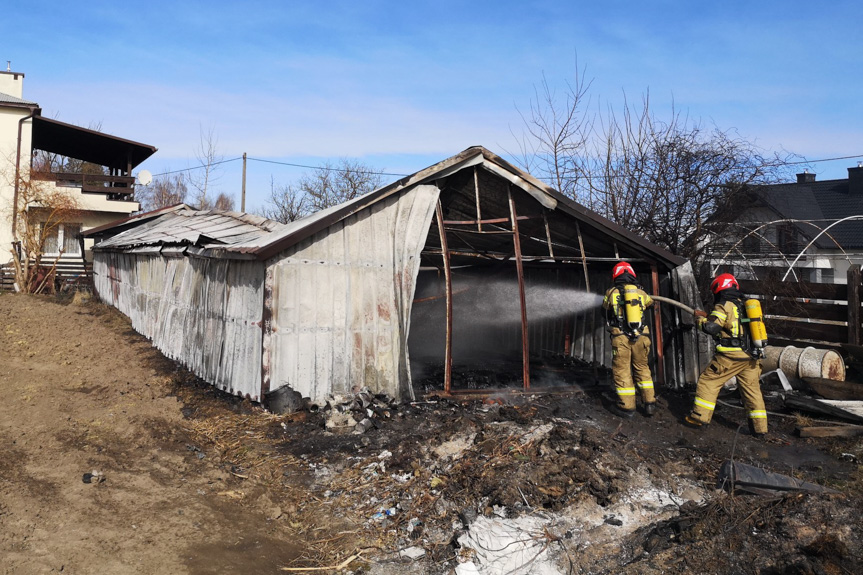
<point>778,341</point>
<point>854,280</point>
<point>818,406</point>
<point>832,389</point>
<point>805,330</point>
<point>800,309</point>
<point>795,289</point>
<point>836,431</point>
<point>658,347</point>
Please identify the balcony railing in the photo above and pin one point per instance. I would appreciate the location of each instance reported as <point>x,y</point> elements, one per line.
<point>119,188</point>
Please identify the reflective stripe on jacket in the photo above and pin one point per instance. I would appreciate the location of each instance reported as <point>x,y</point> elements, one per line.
<point>727,317</point>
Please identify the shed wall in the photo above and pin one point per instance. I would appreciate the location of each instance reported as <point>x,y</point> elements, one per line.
<point>203,312</point>
<point>341,301</point>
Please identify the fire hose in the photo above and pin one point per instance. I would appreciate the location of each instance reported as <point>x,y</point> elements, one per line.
<point>684,307</point>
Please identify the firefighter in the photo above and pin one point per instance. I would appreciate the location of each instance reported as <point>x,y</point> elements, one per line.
<point>735,356</point>
<point>624,306</point>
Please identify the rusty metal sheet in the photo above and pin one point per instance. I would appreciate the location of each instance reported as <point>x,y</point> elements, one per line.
<point>203,312</point>
<point>342,300</point>
<point>186,226</point>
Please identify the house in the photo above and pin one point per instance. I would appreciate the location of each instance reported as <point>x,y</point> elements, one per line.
<point>96,172</point>
<point>814,229</point>
<point>470,262</point>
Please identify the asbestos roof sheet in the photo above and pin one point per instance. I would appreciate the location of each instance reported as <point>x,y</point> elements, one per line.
<point>473,156</point>
<point>263,239</point>
<point>187,227</point>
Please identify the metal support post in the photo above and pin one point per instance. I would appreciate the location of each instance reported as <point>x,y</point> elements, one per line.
<point>525,351</point>
<point>447,378</point>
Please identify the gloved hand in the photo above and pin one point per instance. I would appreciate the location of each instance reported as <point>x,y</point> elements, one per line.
<point>699,313</point>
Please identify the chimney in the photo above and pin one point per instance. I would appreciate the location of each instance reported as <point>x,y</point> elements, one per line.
<point>805,177</point>
<point>11,83</point>
<point>855,180</point>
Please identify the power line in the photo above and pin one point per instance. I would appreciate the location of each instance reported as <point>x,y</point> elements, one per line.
<point>198,167</point>
<point>819,161</point>
<point>590,176</point>
<point>328,168</point>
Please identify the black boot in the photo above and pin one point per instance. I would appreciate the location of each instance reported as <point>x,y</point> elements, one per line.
<point>620,412</point>
<point>690,421</point>
<point>650,409</point>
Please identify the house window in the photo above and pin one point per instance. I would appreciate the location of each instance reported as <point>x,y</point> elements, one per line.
<point>65,235</point>
<point>786,236</point>
<point>751,244</point>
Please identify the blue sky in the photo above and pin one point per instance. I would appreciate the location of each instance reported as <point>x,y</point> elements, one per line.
<point>402,85</point>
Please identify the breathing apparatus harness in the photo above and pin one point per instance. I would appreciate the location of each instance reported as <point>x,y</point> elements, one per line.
<point>751,338</point>
<point>627,310</point>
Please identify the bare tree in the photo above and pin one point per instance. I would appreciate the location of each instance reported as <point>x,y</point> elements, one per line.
<point>163,191</point>
<point>286,204</point>
<point>329,185</point>
<point>224,202</point>
<point>333,184</point>
<point>207,174</point>
<point>41,211</point>
<point>557,133</point>
<point>664,179</point>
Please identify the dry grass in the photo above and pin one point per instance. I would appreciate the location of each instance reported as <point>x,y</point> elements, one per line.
<point>244,446</point>
<point>802,420</point>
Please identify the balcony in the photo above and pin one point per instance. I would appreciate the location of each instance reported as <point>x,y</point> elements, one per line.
<point>116,188</point>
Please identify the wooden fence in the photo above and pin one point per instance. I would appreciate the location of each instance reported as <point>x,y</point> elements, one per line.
<point>810,314</point>
<point>68,275</point>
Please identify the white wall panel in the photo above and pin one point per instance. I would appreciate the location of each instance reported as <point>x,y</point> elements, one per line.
<point>203,312</point>
<point>342,299</point>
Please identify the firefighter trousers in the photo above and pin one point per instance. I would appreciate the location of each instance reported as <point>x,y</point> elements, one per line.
<point>628,356</point>
<point>720,370</point>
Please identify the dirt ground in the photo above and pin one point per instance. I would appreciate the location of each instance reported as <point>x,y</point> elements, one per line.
<point>115,460</point>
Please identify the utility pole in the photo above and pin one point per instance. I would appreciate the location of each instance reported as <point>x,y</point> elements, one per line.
<point>243,200</point>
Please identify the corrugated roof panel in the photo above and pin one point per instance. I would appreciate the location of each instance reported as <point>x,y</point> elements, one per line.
<point>186,226</point>
<point>203,312</point>
<point>336,324</point>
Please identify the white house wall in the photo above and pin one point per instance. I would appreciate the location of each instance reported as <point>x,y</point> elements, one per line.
<point>341,301</point>
<point>203,312</point>
<point>9,118</point>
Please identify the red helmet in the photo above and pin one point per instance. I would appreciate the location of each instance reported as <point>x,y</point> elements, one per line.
<point>622,268</point>
<point>723,282</point>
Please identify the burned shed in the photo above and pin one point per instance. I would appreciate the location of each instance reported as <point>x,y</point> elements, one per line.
<point>470,262</point>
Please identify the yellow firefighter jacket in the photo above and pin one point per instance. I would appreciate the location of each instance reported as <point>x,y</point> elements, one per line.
<point>731,337</point>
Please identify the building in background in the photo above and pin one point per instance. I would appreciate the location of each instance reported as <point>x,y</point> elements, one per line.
<point>816,226</point>
<point>93,167</point>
